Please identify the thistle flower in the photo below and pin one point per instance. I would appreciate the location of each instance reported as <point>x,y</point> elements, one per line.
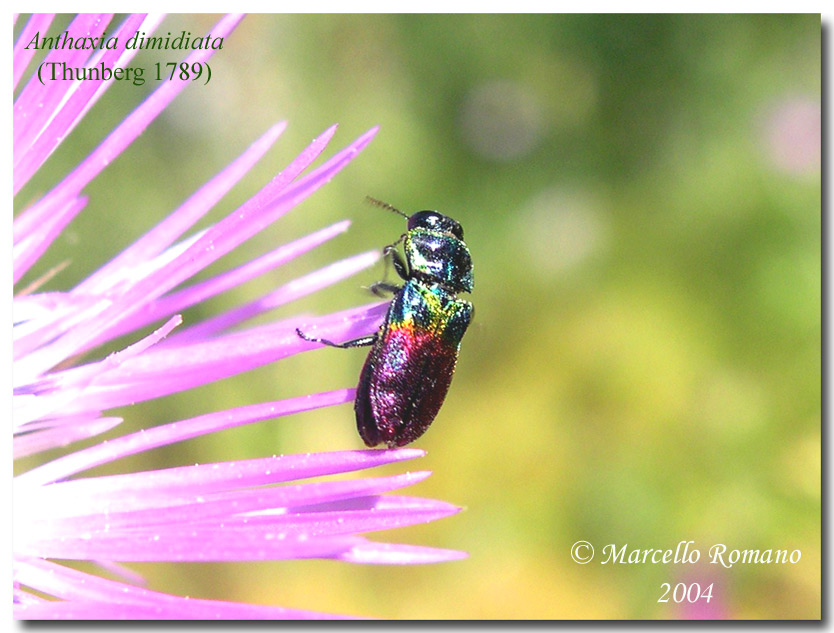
<point>230,511</point>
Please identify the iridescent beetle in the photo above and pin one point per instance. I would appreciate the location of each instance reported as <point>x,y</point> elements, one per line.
<point>409,368</point>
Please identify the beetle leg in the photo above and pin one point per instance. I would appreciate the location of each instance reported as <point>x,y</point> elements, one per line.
<point>397,261</point>
<point>381,289</point>
<point>362,341</point>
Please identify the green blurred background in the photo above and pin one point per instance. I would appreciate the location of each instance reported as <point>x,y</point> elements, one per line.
<point>641,197</point>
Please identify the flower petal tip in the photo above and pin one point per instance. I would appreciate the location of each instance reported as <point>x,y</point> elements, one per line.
<point>403,453</point>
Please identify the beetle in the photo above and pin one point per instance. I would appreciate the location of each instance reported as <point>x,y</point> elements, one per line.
<point>408,371</point>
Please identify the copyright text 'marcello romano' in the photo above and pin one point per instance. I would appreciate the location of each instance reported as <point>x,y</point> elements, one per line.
<point>685,552</point>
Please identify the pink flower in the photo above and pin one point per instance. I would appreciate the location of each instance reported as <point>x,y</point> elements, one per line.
<point>231,511</point>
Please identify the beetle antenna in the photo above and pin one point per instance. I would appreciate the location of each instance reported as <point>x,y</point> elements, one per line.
<point>385,205</point>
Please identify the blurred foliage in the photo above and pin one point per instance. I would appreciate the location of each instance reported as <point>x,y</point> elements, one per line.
<point>641,196</point>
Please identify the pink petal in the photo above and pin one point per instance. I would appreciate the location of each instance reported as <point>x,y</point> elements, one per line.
<point>27,250</point>
<point>170,369</point>
<point>81,96</point>
<point>81,377</point>
<point>296,289</point>
<point>190,543</point>
<point>21,56</point>
<point>183,609</point>
<point>175,432</point>
<point>179,300</point>
<point>37,441</point>
<point>115,143</point>
<point>210,533</point>
<point>39,100</point>
<point>393,554</point>
<point>84,596</point>
<point>163,234</point>
<point>207,478</point>
<point>215,242</point>
<point>233,506</point>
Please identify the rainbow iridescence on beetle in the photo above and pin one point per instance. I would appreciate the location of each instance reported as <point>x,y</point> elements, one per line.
<point>408,371</point>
